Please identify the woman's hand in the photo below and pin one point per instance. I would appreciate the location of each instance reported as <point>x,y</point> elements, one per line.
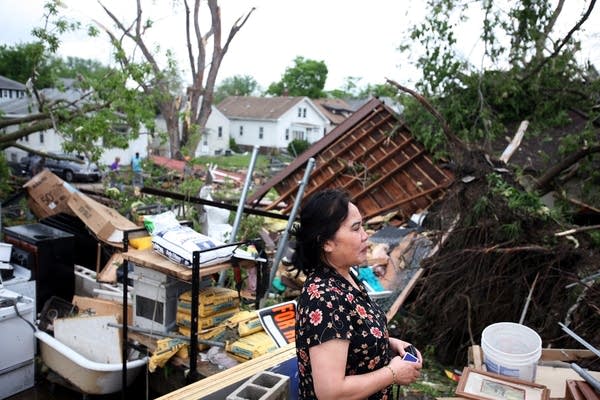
<point>406,371</point>
<point>398,347</point>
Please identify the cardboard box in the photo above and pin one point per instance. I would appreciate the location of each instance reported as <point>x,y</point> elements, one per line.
<point>106,223</point>
<point>101,307</point>
<point>48,194</point>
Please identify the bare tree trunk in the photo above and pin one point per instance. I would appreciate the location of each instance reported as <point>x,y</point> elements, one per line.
<point>201,93</point>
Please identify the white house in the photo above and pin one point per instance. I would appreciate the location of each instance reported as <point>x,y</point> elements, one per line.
<point>10,89</point>
<point>215,138</point>
<point>272,122</point>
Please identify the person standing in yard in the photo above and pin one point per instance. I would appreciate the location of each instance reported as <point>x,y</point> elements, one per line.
<point>136,167</point>
<point>115,167</point>
<point>342,341</point>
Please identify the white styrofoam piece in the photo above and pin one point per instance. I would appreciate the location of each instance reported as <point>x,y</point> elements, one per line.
<point>5,251</point>
<point>91,337</point>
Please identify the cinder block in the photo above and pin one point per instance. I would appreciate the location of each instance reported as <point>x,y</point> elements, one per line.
<point>263,386</point>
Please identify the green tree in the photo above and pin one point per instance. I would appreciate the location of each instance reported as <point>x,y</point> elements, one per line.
<point>237,85</point>
<point>540,82</point>
<point>298,146</point>
<point>89,115</point>
<point>540,79</point>
<point>75,67</point>
<point>378,90</point>
<point>306,78</point>
<point>32,61</point>
<point>20,61</point>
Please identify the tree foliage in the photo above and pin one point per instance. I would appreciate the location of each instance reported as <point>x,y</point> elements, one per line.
<point>298,146</point>
<point>18,63</point>
<point>238,85</point>
<point>88,112</point>
<point>306,78</point>
<point>527,72</point>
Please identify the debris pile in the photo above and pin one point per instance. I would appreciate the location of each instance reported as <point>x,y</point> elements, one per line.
<point>500,261</point>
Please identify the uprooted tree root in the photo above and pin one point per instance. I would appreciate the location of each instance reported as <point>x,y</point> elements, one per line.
<point>485,273</point>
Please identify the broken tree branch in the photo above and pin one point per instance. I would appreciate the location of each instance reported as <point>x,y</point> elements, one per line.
<point>447,131</point>
<point>545,179</point>
<point>565,40</point>
<point>576,230</point>
<point>515,142</point>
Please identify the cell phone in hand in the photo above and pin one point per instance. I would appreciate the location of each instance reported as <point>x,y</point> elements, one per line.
<point>410,354</point>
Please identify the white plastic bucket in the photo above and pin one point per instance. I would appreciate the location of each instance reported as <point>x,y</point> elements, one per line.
<point>5,251</point>
<point>511,349</point>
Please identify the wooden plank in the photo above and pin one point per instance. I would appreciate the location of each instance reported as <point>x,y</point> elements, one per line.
<point>99,307</point>
<point>213,383</point>
<point>150,259</point>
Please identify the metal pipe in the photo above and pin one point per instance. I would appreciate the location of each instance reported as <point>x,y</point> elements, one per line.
<point>595,383</point>
<point>151,332</point>
<point>193,375</point>
<point>580,339</point>
<point>283,240</point>
<point>240,210</point>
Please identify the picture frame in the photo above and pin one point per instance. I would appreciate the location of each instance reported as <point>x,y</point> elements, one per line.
<point>483,385</point>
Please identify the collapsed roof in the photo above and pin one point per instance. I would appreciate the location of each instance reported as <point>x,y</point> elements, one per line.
<point>375,158</point>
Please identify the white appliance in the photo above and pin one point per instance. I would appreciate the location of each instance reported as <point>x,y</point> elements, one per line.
<point>17,343</point>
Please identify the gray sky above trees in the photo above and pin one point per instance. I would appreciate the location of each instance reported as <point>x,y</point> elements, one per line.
<point>353,37</point>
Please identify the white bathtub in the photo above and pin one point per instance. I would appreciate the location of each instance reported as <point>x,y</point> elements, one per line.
<point>88,376</point>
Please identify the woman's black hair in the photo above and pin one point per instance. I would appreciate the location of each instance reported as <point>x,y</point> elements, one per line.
<point>320,217</point>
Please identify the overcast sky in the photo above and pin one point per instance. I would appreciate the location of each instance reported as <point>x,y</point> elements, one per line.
<point>355,38</point>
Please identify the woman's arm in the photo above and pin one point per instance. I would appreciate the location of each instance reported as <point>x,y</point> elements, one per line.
<point>328,362</point>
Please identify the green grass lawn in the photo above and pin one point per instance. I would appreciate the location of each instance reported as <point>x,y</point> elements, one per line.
<point>235,161</point>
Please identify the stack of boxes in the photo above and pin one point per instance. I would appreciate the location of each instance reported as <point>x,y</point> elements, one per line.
<point>218,312</point>
<point>215,306</point>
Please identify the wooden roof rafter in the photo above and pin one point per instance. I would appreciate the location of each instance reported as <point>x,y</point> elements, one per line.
<point>375,158</point>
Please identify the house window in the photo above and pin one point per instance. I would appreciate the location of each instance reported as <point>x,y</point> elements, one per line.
<point>261,132</point>
<point>241,131</point>
<point>287,134</point>
<point>220,132</point>
<point>299,112</point>
<point>304,112</point>
<point>298,135</point>
<point>41,137</point>
<point>205,142</point>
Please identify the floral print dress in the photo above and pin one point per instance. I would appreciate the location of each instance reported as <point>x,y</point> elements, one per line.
<point>329,307</point>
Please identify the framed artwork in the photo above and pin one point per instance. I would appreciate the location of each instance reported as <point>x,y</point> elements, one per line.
<point>482,385</point>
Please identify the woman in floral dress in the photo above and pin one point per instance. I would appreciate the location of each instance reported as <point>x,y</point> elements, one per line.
<point>342,343</point>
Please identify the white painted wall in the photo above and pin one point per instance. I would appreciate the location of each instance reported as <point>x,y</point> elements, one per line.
<point>216,136</point>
